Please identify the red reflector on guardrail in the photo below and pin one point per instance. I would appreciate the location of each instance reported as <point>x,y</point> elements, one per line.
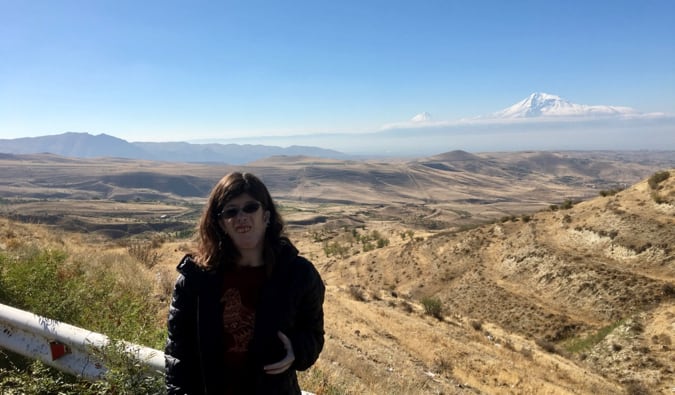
<point>58,350</point>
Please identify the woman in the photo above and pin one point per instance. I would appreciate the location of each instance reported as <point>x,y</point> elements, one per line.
<point>247,310</point>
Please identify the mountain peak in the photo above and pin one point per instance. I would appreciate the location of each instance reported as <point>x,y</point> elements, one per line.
<point>542,98</point>
<point>540,104</point>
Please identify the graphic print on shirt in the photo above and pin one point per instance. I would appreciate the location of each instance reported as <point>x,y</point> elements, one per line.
<point>238,320</point>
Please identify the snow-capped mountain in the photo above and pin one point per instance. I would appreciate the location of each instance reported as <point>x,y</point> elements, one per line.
<point>546,105</point>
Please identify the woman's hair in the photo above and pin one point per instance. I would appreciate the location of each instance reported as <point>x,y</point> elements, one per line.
<point>214,246</point>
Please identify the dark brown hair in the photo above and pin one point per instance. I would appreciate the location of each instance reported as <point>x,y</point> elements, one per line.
<point>214,246</point>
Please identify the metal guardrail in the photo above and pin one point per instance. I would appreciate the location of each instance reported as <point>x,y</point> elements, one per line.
<point>64,347</point>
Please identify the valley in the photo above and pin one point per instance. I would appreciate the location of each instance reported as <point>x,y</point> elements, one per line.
<point>496,273</point>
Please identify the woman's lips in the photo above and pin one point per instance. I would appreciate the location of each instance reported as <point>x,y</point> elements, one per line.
<point>242,229</point>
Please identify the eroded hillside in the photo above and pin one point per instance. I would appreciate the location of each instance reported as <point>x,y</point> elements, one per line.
<point>590,288</point>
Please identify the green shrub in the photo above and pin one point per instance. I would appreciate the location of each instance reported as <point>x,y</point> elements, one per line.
<point>411,234</point>
<point>609,192</point>
<point>335,248</point>
<point>184,234</point>
<point>126,374</point>
<point>658,199</point>
<point>634,387</point>
<point>42,281</point>
<point>145,253</point>
<point>382,243</point>
<point>45,282</point>
<point>586,343</point>
<point>433,307</point>
<point>658,177</point>
<point>39,281</point>
<point>37,378</point>
<point>567,204</point>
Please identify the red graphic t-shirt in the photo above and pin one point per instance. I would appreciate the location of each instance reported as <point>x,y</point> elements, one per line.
<point>241,292</point>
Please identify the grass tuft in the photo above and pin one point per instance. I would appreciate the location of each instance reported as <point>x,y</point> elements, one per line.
<point>588,342</point>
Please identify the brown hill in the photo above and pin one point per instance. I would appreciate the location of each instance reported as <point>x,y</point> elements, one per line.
<point>576,300</point>
<point>580,300</point>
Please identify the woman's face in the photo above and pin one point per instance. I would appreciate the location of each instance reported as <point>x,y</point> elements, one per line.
<point>245,221</point>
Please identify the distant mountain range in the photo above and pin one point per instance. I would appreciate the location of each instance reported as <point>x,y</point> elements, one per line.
<point>85,145</point>
<point>540,122</point>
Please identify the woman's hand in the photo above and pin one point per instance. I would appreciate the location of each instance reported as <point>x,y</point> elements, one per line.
<point>284,364</point>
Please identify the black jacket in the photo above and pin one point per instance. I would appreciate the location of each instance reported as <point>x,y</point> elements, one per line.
<point>291,302</point>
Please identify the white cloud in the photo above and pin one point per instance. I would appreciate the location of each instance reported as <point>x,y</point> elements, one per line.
<point>421,117</point>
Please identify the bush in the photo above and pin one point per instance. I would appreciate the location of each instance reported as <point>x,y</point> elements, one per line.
<point>609,192</point>
<point>587,343</point>
<point>658,199</point>
<point>658,177</point>
<point>636,388</point>
<point>42,281</point>
<point>526,352</point>
<point>36,378</point>
<point>408,233</point>
<point>546,346</point>
<point>126,374</point>
<point>433,307</point>
<point>335,248</point>
<point>45,282</point>
<point>567,204</point>
<point>144,252</point>
<point>38,281</point>
<point>357,293</point>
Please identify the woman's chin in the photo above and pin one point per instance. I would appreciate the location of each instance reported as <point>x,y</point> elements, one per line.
<point>247,243</point>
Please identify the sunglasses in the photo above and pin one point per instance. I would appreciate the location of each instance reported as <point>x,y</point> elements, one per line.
<point>248,208</point>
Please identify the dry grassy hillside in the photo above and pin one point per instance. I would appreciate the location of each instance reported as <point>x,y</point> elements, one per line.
<point>571,299</point>
<point>578,300</point>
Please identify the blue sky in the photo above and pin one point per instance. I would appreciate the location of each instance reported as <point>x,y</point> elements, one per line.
<point>185,70</point>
